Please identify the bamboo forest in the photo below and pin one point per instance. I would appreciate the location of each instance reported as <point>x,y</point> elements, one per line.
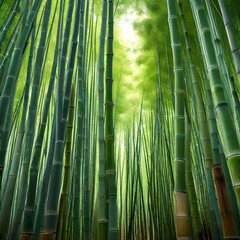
<point>119,120</point>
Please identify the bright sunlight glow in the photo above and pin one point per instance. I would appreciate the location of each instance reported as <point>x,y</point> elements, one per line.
<point>126,27</point>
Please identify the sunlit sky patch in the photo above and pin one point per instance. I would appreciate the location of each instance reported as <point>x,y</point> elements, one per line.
<point>126,27</point>
<point>127,32</point>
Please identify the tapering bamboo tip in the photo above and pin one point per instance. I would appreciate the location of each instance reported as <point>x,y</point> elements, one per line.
<point>26,236</point>
<point>48,235</point>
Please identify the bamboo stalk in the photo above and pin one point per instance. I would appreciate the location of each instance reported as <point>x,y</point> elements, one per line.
<point>183,224</point>
<point>231,38</point>
<point>102,217</point>
<point>223,115</point>
<point>109,132</point>
<point>8,92</point>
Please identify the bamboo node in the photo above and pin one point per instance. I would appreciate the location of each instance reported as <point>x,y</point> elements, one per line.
<point>107,138</point>
<point>48,235</point>
<point>26,236</point>
<point>109,104</point>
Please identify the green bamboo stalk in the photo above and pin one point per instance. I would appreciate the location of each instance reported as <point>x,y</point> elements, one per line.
<point>62,110</point>
<point>213,219</point>
<point>67,166</point>
<point>68,84</point>
<point>183,225</point>
<point>109,134</point>
<point>219,47</point>
<point>9,20</point>
<point>195,217</point>
<point>25,9</point>
<point>1,2</point>
<point>30,125</point>
<point>38,214</point>
<point>127,169</point>
<point>102,217</point>
<point>7,196</point>
<point>76,234</point>
<point>152,190</point>
<point>92,143</point>
<point>134,141</point>
<point>211,122</point>
<point>76,192</point>
<point>223,115</point>
<point>44,185</point>
<point>11,80</point>
<point>236,103</point>
<point>227,214</point>
<point>7,57</point>
<point>12,141</point>
<point>14,90</point>
<point>230,188</point>
<point>85,171</point>
<point>3,73</point>
<point>120,170</point>
<point>168,219</point>
<point>29,210</point>
<point>93,123</point>
<point>231,38</point>
<point>67,214</point>
<point>86,156</point>
<point>225,208</point>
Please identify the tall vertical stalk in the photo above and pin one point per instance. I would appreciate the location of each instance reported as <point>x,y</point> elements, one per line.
<point>231,38</point>
<point>102,218</point>
<point>62,109</point>
<point>7,197</point>
<point>8,92</point>
<point>210,147</point>
<point>183,224</point>
<point>109,133</point>
<point>31,120</point>
<point>195,217</point>
<point>222,111</point>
